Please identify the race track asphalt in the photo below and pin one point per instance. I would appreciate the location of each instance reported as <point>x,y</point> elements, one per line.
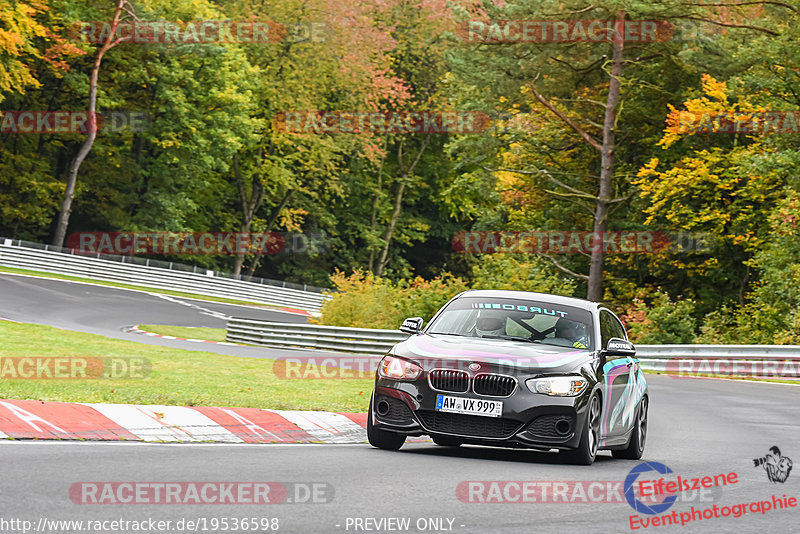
<point>697,428</point>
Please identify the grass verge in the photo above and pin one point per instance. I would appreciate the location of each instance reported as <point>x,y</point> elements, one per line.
<point>189,332</point>
<point>177,377</point>
<point>14,270</point>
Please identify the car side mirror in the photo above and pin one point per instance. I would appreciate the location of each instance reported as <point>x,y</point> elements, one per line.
<point>412,325</point>
<point>619,347</point>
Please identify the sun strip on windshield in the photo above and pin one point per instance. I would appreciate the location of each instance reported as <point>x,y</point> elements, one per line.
<point>518,307</point>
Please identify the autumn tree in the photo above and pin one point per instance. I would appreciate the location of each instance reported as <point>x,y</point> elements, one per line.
<point>123,9</point>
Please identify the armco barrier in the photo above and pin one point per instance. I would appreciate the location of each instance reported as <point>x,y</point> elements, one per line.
<point>125,271</point>
<point>352,340</point>
<point>722,360</point>
<point>374,341</point>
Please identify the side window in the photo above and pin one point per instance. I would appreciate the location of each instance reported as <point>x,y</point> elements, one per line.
<point>610,327</point>
<point>620,329</point>
<point>605,328</point>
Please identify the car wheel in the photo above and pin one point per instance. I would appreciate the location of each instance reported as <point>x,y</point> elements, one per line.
<point>587,448</point>
<point>635,447</point>
<point>382,439</point>
<point>447,441</point>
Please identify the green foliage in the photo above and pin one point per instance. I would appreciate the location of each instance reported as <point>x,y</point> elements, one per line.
<point>520,273</point>
<point>771,314</point>
<point>663,321</point>
<point>368,301</point>
<point>719,327</point>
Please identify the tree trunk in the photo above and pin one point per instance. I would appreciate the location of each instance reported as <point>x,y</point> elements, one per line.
<point>373,219</point>
<point>270,224</point>
<point>72,177</point>
<point>595,289</point>
<point>398,205</point>
<point>249,206</point>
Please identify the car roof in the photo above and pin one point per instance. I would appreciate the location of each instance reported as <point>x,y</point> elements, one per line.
<point>531,295</point>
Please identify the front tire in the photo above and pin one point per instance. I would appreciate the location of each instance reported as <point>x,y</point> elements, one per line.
<point>587,448</point>
<point>382,439</point>
<point>635,447</point>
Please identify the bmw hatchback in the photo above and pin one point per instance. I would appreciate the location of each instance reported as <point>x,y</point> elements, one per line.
<point>514,369</point>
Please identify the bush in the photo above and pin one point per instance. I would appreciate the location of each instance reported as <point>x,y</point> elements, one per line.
<point>520,273</point>
<point>719,328</point>
<point>771,314</point>
<point>664,321</point>
<point>368,301</point>
<point>423,298</point>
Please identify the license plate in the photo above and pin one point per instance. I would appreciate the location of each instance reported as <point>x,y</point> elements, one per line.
<point>486,408</point>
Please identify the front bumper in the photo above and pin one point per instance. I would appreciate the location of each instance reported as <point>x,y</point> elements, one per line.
<point>528,419</point>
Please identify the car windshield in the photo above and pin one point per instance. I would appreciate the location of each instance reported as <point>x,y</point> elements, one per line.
<point>515,319</point>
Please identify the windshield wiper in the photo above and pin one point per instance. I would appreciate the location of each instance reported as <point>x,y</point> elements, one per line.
<point>448,334</point>
<point>513,338</point>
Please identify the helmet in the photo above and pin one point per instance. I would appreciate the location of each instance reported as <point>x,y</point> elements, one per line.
<point>490,324</point>
<point>572,330</point>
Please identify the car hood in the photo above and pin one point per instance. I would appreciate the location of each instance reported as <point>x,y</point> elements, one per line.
<point>457,352</point>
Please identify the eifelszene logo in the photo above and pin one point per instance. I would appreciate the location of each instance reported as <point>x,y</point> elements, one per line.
<point>630,485</point>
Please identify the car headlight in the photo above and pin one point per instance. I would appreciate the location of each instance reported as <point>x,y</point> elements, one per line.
<point>398,369</point>
<point>558,386</point>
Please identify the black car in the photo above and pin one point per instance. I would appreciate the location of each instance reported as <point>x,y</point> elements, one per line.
<point>514,369</point>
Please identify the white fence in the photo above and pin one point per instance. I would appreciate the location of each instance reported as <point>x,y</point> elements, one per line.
<point>158,275</point>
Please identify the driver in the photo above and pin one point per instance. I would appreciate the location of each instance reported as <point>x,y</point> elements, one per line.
<point>490,323</point>
<point>573,331</point>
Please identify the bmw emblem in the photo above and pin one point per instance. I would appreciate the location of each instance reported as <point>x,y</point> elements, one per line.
<point>474,366</point>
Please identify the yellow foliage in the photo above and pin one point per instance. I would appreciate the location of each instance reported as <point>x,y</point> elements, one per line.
<point>715,101</point>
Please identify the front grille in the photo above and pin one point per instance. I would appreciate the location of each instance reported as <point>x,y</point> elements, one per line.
<point>399,412</point>
<point>494,385</point>
<point>449,380</point>
<point>468,425</point>
<point>545,426</point>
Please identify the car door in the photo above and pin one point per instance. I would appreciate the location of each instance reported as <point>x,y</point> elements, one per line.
<point>620,386</point>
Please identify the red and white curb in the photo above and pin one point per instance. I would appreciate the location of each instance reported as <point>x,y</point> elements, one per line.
<point>30,419</point>
<point>137,330</point>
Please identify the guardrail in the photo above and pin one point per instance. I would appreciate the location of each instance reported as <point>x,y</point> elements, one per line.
<point>309,336</point>
<point>158,275</point>
<point>718,351</point>
<point>727,360</point>
<point>762,361</point>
